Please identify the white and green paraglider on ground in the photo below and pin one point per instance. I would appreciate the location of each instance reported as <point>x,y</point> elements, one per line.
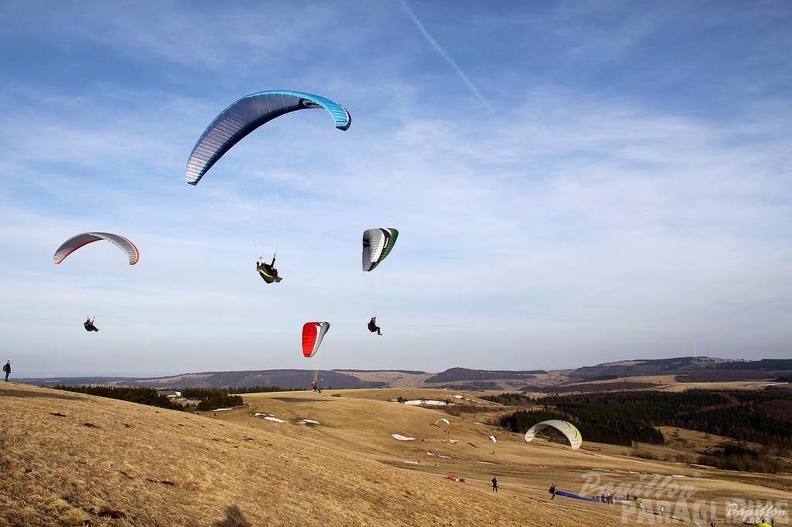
<point>568,429</point>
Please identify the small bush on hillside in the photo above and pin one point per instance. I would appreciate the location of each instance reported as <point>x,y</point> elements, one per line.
<point>147,396</point>
<point>453,410</point>
<point>644,454</point>
<point>510,399</point>
<point>733,457</point>
<point>220,401</point>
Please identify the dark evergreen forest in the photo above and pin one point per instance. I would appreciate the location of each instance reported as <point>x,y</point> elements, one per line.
<point>209,399</point>
<point>620,418</point>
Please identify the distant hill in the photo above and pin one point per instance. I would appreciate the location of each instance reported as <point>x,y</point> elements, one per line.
<point>777,369</point>
<point>612,370</point>
<point>684,369</point>
<point>287,379</point>
<point>692,369</point>
<point>453,378</point>
<point>464,374</point>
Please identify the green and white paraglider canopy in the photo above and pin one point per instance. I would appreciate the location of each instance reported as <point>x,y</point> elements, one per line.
<point>377,244</point>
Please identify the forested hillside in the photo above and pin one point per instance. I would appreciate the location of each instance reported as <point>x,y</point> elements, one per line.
<point>763,417</point>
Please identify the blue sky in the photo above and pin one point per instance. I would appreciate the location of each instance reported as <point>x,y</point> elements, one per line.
<point>574,183</point>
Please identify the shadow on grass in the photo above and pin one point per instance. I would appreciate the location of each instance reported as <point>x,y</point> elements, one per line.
<point>26,394</point>
<point>299,400</point>
<point>234,518</point>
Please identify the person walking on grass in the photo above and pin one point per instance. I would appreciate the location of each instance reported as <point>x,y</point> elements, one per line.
<point>494,484</point>
<point>7,369</point>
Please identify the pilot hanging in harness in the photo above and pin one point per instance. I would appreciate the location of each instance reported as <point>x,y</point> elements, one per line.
<point>89,325</point>
<point>267,270</point>
<point>373,327</point>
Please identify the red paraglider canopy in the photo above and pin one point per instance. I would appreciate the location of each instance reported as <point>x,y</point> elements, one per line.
<point>312,335</point>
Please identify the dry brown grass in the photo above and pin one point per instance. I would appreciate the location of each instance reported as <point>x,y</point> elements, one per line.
<point>72,459</point>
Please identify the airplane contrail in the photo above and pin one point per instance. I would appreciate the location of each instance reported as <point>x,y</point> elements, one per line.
<point>445,56</point>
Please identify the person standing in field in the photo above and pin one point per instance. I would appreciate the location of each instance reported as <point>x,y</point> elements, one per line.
<point>7,369</point>
<point>494,484</point>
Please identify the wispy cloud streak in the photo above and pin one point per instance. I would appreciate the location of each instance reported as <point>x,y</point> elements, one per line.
<point>444,55</point>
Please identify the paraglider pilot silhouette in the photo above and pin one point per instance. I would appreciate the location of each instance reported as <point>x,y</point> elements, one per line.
<point>373,327</point>
<point>89,325</point>
<point>267,271</point>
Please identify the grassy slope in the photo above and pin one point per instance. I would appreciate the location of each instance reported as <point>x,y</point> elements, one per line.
<point>71,459</point>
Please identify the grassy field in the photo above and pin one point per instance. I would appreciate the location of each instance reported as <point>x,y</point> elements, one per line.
<point>73,459</point>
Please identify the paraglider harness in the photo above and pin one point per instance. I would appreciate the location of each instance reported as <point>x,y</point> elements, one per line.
<point>372,326</point>
<point>89,325</point>
<point>267,271</point>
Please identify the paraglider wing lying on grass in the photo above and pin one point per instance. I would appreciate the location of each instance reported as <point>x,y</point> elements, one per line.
<point>568,429</point>
<point>575,496</point>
